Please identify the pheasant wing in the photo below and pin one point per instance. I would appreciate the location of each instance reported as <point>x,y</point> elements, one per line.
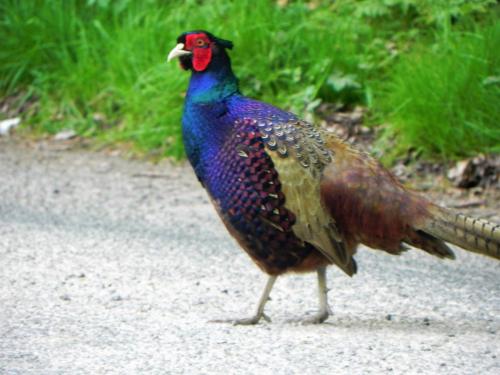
<point>300,155</point>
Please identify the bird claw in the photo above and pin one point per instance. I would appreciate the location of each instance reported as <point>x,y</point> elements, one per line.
<point>266,318</point>
<point>245,321</point>
<point>317,318</point>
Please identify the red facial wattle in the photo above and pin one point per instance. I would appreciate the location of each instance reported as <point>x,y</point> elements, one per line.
<point>199,44</point>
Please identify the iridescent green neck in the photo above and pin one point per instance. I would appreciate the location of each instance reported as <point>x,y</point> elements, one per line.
<point>214,84</point>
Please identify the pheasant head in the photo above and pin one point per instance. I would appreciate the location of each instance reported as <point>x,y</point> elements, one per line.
<point>199,50</point>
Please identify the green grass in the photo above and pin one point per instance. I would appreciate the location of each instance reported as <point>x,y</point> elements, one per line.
<point>445,100</point>
<point>98,67</point>
<point>86,60</point>
<point>83,60</point>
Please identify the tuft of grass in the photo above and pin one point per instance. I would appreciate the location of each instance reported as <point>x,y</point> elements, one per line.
<point>444,99</point>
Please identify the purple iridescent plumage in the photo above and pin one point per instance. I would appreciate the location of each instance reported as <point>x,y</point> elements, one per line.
<point>233,165</point>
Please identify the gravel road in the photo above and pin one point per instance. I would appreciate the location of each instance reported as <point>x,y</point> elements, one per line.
<point>116,266</point>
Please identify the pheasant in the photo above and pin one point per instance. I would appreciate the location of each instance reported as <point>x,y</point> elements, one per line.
<point>296,198</point>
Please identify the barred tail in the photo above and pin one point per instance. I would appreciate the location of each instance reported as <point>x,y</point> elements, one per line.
<point>477,235</point>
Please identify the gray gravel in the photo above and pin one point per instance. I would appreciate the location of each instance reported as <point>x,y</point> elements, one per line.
<point>115,266</point>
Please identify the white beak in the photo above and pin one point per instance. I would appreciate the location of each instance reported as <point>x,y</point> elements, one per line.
<point>177,52</point>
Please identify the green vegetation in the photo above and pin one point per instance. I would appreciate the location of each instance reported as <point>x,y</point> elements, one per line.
<point>446,100</point>
<point>429,69</point>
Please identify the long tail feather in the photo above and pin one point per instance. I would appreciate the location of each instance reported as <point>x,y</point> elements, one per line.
<point>476,235</point>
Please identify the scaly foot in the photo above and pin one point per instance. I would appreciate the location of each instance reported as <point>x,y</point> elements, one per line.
<point>260,309</point>
<point>244,322</point>
<point>317,318</point>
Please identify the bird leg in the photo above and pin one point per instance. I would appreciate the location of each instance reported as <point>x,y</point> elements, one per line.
<point>324,310</point>
<point>260,309</point>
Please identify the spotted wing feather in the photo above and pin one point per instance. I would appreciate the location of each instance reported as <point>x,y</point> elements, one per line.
<point>300,155</point>
<point>248,193</point>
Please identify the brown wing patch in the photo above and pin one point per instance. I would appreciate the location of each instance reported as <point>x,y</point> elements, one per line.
<point>368,204</point>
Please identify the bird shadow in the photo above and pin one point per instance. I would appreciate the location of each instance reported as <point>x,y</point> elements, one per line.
<point>403,324</point>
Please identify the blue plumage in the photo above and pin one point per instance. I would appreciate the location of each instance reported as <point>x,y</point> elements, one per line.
<point>213,104</point>
<point>224,144</point>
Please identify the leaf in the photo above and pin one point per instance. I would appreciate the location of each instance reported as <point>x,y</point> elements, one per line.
<point>339,82</point>
<point>492,80</point>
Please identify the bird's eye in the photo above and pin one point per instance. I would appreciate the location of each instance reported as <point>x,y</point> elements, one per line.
<point>200,42</point>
